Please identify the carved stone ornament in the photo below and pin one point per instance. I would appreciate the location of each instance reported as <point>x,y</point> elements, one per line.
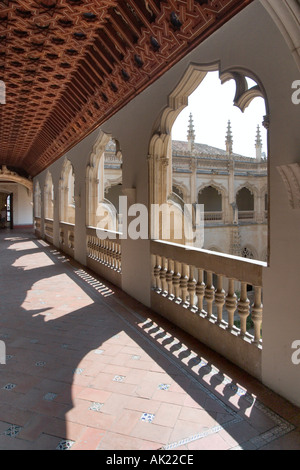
<point>290,175</point>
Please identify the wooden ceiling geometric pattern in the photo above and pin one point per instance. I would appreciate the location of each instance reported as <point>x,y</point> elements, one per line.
<point>69,65</point>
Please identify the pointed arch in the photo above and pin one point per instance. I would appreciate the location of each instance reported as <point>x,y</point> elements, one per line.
<point>37,197</point>
<point>67,193</point>
<point>48,196</point>
<point>96,183</point>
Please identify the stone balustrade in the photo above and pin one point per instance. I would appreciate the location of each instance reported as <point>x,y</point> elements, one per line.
<point>48,230</point>
<point>213,216</point>
<point>246,215</point>
<point>215,297</point>
<point>67,238</point>
<point>37,226</point>
<point>104,255</point>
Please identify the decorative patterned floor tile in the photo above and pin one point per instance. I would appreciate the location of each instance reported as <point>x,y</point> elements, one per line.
<point>50,396</point>
<point>13,430</point>
<point>163,387</point>
<point>9,387</point>
<point>147,417</point>
<point>99,351</point>
<point>119,378</point>
<point>96,406</point>
<point>65,445</point>
<point>40,363</point>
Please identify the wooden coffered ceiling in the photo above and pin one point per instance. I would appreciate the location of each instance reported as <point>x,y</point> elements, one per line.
<point>69,65</point>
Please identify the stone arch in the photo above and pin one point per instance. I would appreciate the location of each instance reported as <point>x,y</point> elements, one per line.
<point>245,199</point>
<point>94,168</point>
<point>96,185</point>
<point>211,198</point>
<point>48,197</point>
<point>37,197</point>
<point>67,193</point>
<point>160,146</point>
<point>245,93</point>
<point>286,15</point>
<point>181,189</point>
<point>8,175</point>
<point>251,187</point>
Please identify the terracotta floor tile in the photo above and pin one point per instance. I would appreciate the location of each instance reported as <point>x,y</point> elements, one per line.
<point>89,440</point>
<point>209,443</point>
<point>151,432</point>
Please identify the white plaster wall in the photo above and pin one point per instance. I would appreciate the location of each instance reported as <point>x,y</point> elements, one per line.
<point>250,41</point>
<point>24,208</point>
<point>22,203</point>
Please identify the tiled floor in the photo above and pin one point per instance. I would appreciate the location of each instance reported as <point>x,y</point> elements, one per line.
<point>89,368</point>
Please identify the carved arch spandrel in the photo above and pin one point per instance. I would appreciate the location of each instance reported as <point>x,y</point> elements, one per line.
<point>290,175</point>
<point>244,94</point>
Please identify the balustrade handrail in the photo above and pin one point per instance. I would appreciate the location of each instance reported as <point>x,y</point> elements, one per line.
<point>233,267</point>
<point>213,215</point>
<point>68,224</point>
<point>90,230</point>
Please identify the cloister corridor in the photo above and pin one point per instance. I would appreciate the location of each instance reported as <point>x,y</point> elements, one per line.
<point>89,368</point>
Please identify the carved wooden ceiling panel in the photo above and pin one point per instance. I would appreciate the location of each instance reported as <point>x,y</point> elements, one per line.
<point>69,65</point>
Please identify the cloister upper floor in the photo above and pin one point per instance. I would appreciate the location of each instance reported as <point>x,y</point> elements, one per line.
<point>207,294</point>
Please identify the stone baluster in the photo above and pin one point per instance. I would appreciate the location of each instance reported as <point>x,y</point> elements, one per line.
<point>176,281</point>
<point>256,314</point>
<point>156,271</point>
<point>105,252</point>
<point>169,278</point>
<point>243,308</point>
<point>162,275</point>
<point>219,299</point>
<point>184,282</point>
<point>231,303</point>
<point>98,248</point>
<point>119,256</point>
<point>192,288</point>
<point>200,289</point>
<point>88,248</point>
<point>109,248</point>
<point>113,255</point>
<point>209,293</point>
<point>102,251</point>
<point>94,248</point>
